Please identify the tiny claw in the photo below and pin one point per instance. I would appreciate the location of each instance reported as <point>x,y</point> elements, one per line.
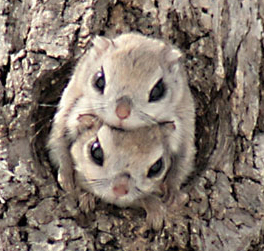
<point>87,202</point>
<point>65,179</point>
<point>155,221</point>
<point>156,213</point>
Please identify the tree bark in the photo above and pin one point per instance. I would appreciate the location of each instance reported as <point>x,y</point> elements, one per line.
<point>40,42</point>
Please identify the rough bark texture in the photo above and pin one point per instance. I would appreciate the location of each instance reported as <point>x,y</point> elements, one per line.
<point>40,41</point>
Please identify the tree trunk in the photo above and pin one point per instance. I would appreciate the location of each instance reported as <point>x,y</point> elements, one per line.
<point>40,42</point>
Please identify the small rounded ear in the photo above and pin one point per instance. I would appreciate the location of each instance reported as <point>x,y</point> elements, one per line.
<point>172,56</point>
<point>171,135</point>
<point>101,44</point>
<point>88,121</point>
<point>169,126</point>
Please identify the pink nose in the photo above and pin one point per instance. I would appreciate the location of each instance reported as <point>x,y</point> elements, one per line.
<point>123,110</point>
<point>120,190</point>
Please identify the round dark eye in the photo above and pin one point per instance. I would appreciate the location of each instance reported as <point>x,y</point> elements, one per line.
<point>157,92</point>
<point>99,81</point>
<point>97,153</point>
<point>155,169</point>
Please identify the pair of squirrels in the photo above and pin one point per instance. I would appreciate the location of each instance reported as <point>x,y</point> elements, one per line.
<point>124,129</point>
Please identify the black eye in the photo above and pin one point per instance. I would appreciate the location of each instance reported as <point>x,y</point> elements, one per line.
<point>99,81</point>
<point>97,153</point>
<point>157,92</point>
<point>155,169</point>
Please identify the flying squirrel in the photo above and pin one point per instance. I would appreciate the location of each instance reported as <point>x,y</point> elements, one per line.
<point>129,82</point>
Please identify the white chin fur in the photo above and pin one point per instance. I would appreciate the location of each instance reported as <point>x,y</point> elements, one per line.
<point>123,201</point>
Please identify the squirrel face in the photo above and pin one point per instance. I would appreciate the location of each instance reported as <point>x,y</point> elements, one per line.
<point>121,167</point>
<point>133,81</point>
<point>129,82</point>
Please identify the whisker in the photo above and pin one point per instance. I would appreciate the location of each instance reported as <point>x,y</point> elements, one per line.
<point>37,133</point>
<point>86,109</point>
<point>40,120</point>
<point>99,108</point>
<point>138,191</point>
<point>94,182</point>
<point>147,118</point>
<point>48,105</point>
<point>97,184</point>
